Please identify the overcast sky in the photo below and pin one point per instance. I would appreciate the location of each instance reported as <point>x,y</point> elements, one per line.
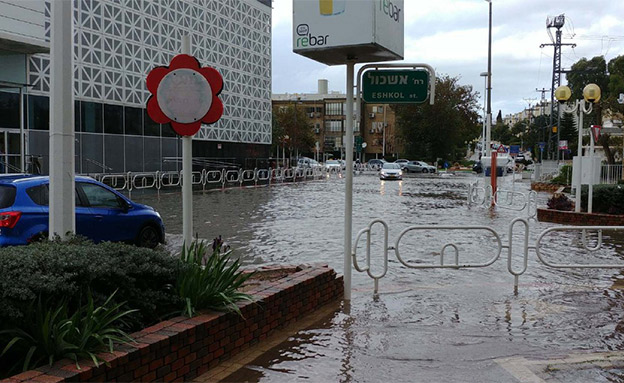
<point>451,35</point>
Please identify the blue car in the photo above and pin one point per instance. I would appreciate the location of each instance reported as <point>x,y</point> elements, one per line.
<point>102,214</point>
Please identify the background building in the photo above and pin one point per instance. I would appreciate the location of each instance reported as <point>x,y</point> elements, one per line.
<point>116,43</point>
<point>327,114</point>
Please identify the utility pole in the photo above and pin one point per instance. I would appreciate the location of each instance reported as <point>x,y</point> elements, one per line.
<point>556,22</point>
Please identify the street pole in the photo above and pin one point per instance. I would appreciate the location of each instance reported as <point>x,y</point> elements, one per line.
<point>484,128</point>
<point>187,172</point>
<point>590,195</point>
<point>489,83</point>
<point>62,218</point>
<point>348,183</point>
<point>579,182</point>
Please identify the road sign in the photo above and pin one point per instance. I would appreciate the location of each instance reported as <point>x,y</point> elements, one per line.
<point>596,131</point>
<point>358,143</point>
<point>541,146</point>
<point>563,144</point>
<point>395,86</point>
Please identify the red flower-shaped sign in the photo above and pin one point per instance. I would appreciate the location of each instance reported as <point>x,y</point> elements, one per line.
<point>184,94</point>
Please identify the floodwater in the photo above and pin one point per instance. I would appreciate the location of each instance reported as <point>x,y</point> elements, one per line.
<point>425,325</point>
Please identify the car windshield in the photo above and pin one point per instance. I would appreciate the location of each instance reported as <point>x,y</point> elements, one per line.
<point>391,166</point>
<point>423,163</point>
<point>333,162</point>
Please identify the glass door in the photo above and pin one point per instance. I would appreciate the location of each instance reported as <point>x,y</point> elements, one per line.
<point>9,151</point>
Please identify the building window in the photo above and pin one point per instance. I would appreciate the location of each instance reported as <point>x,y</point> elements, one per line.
<point>113,119</point>
<point>167,131</point>
<point>39,112</point>
<point>333,126</point>
<point>133,121</point>
<point>91,117</point>
<point>151,128</point>
<point>9,110</point>
<point>334,109</point>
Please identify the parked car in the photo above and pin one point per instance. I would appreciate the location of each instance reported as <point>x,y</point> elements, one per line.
<point>419,167</point>
<point>401,162</point>
<point>306,162</point>
<point>391,171</point>
<point>333,165</point>
<point>375,163</point>
<point>102,213</point>
<point>477,167</point>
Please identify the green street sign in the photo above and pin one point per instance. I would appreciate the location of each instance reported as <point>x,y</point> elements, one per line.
<point>395,86</point>
<point>358,143</point>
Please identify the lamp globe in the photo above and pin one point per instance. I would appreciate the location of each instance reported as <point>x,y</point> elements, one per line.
<point>563,93</point>
<point>591,93</point>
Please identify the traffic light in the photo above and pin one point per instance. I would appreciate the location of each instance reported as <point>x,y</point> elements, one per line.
<point>554,129</point>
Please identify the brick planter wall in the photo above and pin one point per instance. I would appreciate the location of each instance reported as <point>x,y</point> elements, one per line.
<point>182,348</point>
<point>545,186</point>
<point>578,219</point>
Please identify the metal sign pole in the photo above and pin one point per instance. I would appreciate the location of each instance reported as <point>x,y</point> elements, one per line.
<point>348,184</point>
<point>187,172</point>
<point>62,184</point>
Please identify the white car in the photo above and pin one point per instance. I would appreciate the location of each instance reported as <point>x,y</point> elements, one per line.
<point>333,166</point>
<point>307,163</point>
<point>391,171</point>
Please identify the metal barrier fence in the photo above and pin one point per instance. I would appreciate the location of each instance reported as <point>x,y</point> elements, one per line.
<point>214,179</point>
<point>610,174</point>
<point>500,246</point>
<point>504,199</point>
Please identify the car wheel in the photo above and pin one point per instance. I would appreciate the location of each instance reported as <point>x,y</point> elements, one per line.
<point>425,170</point>
<point>148,237</point>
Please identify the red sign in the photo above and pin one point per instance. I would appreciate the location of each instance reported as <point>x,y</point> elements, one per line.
<point>185,95</point>
<point>596,131</point>
<point>501,149</point>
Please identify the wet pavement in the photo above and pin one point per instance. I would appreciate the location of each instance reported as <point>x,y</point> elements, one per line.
<point>431,325</point>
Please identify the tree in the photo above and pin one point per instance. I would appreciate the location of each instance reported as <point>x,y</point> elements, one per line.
<point>293,122</point>
<point>584,72</point>
<point>443,129</point>
<point>500,130</point>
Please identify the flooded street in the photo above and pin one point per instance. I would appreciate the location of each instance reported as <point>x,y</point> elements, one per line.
<point>425,325</point>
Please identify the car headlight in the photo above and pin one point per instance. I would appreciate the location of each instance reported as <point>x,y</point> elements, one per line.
<point>401,173</point>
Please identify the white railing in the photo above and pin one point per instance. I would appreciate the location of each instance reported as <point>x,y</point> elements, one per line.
<point>504,199</point>
<point>224,178</point>
<point>500,245</point>
<point>610,174</point>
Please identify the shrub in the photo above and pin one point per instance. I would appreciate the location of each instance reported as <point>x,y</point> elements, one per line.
<point>209,282</point>
<point>48,332</point>
<point>608,199</point>
<point>564,177</point>
<point>560,202</point>
<point>55,270</point>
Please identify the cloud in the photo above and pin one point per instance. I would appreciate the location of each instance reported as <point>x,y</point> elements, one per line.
<point>452,36</point>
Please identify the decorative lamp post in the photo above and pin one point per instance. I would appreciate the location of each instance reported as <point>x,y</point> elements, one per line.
<point>591,95</point>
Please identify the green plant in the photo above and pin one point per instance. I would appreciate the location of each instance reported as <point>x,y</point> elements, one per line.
<point>48,333</point>
<point>564,177</point>
<point>209,281</point>
<point>608,199</point>
<point>55,270</point>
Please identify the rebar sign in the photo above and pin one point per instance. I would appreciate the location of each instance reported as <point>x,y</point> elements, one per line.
<point>395,86</point>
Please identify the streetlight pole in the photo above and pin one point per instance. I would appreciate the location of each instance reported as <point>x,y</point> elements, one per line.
<point>591,94</point>
<point>489,84</point>
<point>484,128</point>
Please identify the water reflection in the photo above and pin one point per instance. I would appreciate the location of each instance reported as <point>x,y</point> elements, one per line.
<point>446,325</point>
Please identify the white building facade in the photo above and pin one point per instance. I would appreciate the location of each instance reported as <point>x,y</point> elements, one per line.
<point>116,44</point>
